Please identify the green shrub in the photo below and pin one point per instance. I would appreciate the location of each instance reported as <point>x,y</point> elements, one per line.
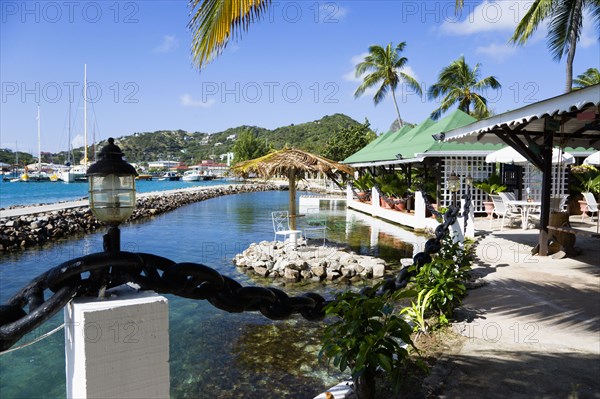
<point>445,275</point>
<point>368,334</point>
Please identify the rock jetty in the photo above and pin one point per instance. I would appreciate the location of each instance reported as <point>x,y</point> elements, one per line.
<point>34,229</point>
<point>306,262</point>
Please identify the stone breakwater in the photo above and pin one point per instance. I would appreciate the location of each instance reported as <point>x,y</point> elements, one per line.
<point>25,231</point>
<point>316,263</point>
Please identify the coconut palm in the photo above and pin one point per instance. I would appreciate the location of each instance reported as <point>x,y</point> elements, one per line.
<point>459,83</point>
<point>564,27</point>
<point>215,22</point>
<point>385,67</point>
<point>292,163</point>
<point>588,78</point>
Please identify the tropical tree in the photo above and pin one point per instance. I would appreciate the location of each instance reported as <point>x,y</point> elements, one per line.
<point>588,78</point>
<point>345,141</point>
<point>248,146</point>
<point>459,83</point>
<point>384,67</point>
<point>564,27</point>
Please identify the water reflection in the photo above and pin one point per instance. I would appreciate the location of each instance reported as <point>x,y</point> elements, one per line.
<point>213,354</point>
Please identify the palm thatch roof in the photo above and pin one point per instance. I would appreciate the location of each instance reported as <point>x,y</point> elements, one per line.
<point>283,161</point>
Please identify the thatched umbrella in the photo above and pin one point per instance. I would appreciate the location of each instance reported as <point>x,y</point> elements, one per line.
<point>292,163</point>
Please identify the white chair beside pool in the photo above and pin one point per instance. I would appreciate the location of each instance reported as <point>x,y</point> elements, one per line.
<point>591,207</point>
<point>281,226</point>
<point>314,225</point>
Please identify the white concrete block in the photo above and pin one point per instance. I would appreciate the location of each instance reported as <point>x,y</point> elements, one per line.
<point>117,347</point>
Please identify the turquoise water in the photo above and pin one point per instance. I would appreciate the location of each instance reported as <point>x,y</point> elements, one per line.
<point>213,354</point>
<point>49,192</point>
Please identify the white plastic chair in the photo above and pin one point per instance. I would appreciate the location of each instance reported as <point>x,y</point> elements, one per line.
<point>591,205</point>
<point>502,210</point>
<point>281,225</point>
<point>314,224</point>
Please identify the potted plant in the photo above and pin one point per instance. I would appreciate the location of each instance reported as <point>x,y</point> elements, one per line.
<point>364,184</point>
<point>392,189</point>
<point>588,178</point>
<point>492,185</point>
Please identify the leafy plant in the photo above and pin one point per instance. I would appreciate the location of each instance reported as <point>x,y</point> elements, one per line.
<point>588,177</point>
<point>391,184</point>
<point>418,310</point>
<point>364,182</point>
<point>491,185</point>
<point>445,275</point>
<point>368,334</point>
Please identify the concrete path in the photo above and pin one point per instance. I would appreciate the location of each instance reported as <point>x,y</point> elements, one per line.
<point>533,329</point>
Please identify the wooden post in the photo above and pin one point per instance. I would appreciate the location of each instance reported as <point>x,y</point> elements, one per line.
<point>546,188</point>
<point>117,347</point>
<point>292,184</point>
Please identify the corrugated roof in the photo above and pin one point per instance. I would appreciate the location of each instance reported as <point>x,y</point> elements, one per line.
<point>577,127</point>
<point>378,147</point>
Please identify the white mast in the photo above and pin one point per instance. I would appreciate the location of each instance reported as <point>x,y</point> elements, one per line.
<point>39,141</point>
<point>85,145</point>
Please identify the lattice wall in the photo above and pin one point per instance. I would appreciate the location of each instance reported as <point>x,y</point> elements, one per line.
<point>532,178</point>
<point>463,166</point>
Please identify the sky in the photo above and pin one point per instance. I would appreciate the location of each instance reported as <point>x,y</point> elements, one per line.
<point>293,66</point>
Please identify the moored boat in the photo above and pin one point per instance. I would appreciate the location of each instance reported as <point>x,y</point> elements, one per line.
<point>170,176</point>
<point>191,175</point>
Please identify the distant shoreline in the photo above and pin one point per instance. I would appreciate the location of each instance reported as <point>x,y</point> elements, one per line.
<point>29,226</point>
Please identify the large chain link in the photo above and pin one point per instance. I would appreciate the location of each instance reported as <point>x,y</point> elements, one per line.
<point>90,275</point>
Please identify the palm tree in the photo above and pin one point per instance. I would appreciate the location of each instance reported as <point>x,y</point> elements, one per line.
<point>564,27</point>
<point>215,22</point>
<point>385,65</point>
<point>588,78</point>
<point>458,83</point>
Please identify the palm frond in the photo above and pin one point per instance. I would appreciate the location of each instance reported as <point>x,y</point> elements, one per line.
<point>215,22</point>
<point>539,10</point>
<point>565,27</point>
<point>411,83</point>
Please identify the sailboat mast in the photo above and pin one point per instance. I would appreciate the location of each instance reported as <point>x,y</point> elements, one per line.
<point>39,141</point>
<point>69,149</point>
<point>85,144</point>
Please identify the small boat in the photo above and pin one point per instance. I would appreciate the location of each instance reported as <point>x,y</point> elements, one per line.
<point>191,175</point>
<point>206,175</point>
<point>170,176</point>
<point>143,176</point>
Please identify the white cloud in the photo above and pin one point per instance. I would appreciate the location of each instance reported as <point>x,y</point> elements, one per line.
<point>78,141</point>
<point>489,16</point>
<point>169,43</point>
<point>588,34</point>
<point>497,52</point>
<point>188,101</point>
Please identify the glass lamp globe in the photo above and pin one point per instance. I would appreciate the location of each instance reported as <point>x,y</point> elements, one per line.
<point>453,183</point>
<point>112,186</point>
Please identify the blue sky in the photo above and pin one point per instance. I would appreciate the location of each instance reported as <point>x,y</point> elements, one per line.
<point>294,66</point>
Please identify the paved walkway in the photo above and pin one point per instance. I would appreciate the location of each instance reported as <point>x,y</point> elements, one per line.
<point>533,329</point>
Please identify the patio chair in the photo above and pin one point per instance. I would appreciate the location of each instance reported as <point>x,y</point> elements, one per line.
<point>558,202</point>
<point>508,196</point>
<point>591,205</point>
<point>281,225</point>
<point>314,223</point>
<point>502,210</point>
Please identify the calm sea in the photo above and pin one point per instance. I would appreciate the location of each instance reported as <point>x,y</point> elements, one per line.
<point>49,192</point>
<point>213,354</point>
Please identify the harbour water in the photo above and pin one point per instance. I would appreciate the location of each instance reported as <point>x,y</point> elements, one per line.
<point>213,354</point>
<point>49,192</point>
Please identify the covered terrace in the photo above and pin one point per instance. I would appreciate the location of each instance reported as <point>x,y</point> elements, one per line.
<point>570,119</point>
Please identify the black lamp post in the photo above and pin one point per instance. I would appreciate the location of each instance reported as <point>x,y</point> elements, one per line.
<point>453,186</point>
<point>112,192</point>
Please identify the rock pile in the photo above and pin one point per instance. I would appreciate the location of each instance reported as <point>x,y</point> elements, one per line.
<point>282,260</point>
<point>25,231</point>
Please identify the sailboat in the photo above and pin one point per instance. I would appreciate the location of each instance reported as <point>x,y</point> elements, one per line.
<point>39,175</point>
<point>78,173</point>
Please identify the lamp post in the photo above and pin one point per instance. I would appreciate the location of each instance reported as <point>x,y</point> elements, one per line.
<point>112,192</point>
<point>453,186</point>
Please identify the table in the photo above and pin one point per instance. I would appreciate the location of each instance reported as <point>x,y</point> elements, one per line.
<point>525,207</point>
